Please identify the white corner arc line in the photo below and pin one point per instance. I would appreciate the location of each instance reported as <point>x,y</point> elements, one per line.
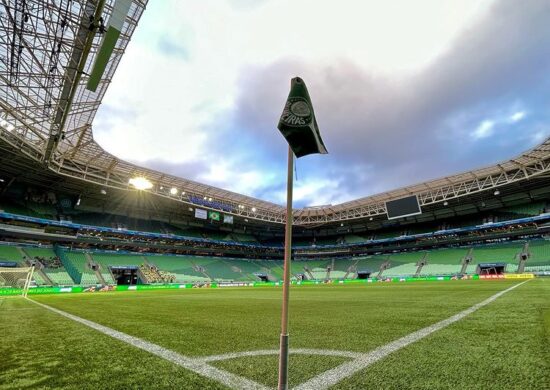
<point>337,374</point>
<point>231,380</point>
<point>292,351</point>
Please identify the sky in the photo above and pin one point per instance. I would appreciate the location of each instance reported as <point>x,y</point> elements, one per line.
<point>403,91</point>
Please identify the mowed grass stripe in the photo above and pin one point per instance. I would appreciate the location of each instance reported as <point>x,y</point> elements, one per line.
<point>502,346</point>
<point>42,350</point>
<point>337,374</point>
<point>206,322</point>
<point>228,379</point>
<point>322,381</point>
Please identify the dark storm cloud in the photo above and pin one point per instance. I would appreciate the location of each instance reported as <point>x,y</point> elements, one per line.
<point>383,133</point>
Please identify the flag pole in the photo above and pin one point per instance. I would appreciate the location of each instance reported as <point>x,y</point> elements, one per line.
<point>283,354</point>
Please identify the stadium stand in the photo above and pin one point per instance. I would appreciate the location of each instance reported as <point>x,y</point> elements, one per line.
<point>63,266</point>
<point>10,253</point>
<point>185,268</point>
<point>79,261</point>
<point>53,267</point>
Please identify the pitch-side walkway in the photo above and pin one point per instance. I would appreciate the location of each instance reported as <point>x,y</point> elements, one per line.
<point>325,380</point>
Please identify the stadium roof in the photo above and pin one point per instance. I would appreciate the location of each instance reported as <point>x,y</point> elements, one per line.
<point>46,113</point>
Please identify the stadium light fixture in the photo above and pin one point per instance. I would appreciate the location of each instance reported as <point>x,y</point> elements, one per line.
<point>103,192</point>
<point>210,199</point>
<point>253,209</point>
<point>370,219</point>
<point>205,198</point>
<point>140,183</point>
<point>445,203</point>
<point>161,188</point>
<point>173,191</point>
<point>497,192</point>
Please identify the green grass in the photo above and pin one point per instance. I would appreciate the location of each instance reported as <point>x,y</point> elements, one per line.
<point>264,369</point>
<point>503,345</point>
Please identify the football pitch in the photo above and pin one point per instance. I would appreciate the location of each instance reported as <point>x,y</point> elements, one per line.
<point>234,333</point>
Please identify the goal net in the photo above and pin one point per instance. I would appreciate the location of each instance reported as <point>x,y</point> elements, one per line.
<point>18,278</point>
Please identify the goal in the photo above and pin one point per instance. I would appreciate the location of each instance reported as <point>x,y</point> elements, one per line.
<point>16,277</point>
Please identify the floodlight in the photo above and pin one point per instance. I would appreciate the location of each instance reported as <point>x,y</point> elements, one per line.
<point>140,183</point>
<point>342,224</point>
<point>173,191</point>
<point>370,219</point>
<point>445,203</point>
<point>497,192</point>
<point>205,198</point>
<point>253,209</point>
<point>103,192</point>
<point>210,199</point>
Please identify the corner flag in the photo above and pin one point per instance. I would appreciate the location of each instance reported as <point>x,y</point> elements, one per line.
<point>298,124</point>
<point>299,127</point>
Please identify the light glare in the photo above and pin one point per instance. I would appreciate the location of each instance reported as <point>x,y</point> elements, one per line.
<point>140,183</point>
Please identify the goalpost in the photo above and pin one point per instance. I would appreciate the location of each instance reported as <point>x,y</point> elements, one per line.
<point>17,277</point>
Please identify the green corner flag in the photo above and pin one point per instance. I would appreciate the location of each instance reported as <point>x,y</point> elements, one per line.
<point>298,124</point>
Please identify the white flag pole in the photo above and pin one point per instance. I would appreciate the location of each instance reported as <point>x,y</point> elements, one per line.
<point>283,354</point>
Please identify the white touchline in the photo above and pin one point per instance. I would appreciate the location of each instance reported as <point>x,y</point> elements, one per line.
<point>337,374</point>
<point>329,378</point>
<point>231,380</point>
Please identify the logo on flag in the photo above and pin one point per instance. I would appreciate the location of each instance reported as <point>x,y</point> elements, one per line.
<point>298,124</point>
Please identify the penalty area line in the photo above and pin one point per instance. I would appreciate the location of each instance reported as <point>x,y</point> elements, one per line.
<point>345,370</point>
<point>196,365</point>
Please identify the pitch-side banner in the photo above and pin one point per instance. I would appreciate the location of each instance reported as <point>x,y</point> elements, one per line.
<point>201,214</point>
<point>519,276</point>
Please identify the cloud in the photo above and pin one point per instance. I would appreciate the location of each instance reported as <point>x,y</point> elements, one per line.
<point>417,128</point>
<point>390,115</point>
<point>484,130</point>
<point>517,116</point>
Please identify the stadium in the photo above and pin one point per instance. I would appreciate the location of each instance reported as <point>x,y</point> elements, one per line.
<point>113,275</point>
